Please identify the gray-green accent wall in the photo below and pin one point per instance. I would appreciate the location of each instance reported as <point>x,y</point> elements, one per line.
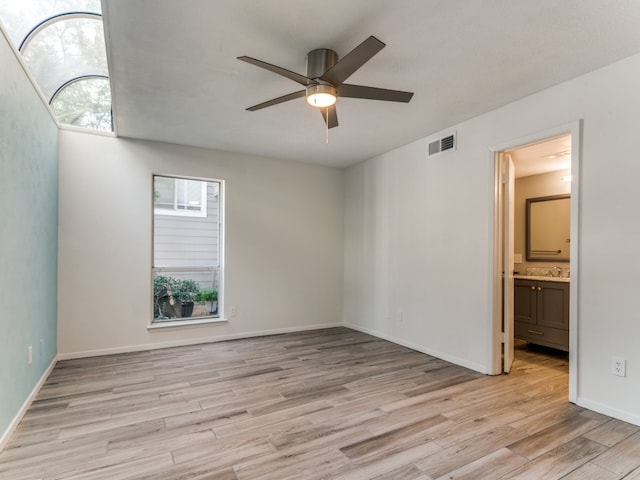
<point>28,236</point>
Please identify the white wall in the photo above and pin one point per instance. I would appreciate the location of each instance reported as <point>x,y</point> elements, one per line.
<point>284,243</point>
<point>418,235</point>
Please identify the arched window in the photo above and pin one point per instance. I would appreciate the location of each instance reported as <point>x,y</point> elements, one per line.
<point>84,102</point>
<point>62,44</point>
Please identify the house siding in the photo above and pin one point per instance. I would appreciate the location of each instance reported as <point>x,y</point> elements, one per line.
<point>187,242</point>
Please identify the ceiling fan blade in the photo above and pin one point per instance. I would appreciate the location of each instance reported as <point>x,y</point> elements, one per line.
<point>276,101</point>
<point>330,116</point>
<point>296,77</point>
<point>352,61</point>
<point>373,93</point>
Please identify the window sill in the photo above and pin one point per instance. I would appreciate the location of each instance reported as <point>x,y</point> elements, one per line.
<point>185,323</point>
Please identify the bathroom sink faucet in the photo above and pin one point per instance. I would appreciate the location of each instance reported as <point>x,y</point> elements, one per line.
<point>556,272</point>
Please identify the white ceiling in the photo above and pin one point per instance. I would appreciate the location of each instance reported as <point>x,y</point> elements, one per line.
<point>175,76</point>
<point>547,156</point>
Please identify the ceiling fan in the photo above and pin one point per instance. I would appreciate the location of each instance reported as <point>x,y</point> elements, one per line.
<point>324,81</point>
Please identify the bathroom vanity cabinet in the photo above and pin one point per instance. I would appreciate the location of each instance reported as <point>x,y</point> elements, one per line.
<point>541,312</point>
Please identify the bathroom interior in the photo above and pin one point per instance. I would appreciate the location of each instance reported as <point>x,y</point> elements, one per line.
<point>542,267</point>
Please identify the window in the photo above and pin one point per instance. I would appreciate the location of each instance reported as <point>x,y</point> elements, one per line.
<point>187,249</point>
<point>62,43</point>
<point>84,102</point>
<point>180,196</point>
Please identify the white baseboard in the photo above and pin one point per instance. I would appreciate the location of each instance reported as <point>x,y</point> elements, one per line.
<point>420,348</point>
<point>25,406</point>
<point>191,341</point>
<point>609,411</point>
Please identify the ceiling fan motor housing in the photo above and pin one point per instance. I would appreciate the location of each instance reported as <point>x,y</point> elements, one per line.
<point>319,61</point>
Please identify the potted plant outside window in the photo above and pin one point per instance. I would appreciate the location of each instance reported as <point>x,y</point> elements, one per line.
<point>186,291</point>
<point>210,297</point>
<point>165,303</point>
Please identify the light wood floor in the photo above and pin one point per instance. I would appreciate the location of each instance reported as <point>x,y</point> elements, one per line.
<point>326,404</point>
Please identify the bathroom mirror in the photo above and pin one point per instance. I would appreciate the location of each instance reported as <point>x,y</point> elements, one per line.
<point>548,228</point>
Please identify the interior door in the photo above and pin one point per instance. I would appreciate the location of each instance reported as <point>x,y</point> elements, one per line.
<point>508,183</point>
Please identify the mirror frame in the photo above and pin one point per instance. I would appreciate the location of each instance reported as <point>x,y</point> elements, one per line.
<point>530,201</point>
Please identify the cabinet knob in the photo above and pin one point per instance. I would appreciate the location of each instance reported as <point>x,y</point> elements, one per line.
<point>539,289</point>
<point>532,287</point>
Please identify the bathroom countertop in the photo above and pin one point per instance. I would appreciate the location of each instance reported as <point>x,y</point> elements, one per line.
<point>544,278</point>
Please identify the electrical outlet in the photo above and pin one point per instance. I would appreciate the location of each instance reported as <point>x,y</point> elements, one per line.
<point>233,311</point>
<point>619,366</point>
<point>30,354</point>
<point>400,316</point>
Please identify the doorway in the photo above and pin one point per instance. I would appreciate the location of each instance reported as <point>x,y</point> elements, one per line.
<point>540,166</point>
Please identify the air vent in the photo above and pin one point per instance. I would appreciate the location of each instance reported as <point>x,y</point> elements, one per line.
<point>445,143</point>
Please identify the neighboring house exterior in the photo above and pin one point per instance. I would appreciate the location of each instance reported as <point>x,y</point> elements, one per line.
<point>186,234</point>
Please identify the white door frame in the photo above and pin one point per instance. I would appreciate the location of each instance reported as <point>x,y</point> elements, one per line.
<point>494,329</point>
<point>507,180</point>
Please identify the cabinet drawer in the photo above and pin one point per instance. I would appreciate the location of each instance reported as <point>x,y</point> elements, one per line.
<point>542,335</point>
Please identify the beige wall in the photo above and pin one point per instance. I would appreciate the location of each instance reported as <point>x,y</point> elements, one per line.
<point>534,186</point>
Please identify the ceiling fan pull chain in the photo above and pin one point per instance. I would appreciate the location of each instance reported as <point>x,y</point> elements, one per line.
<point>327,127</point>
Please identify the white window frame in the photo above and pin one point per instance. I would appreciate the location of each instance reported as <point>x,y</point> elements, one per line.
<point>220,268</point>
<point>179,212</point>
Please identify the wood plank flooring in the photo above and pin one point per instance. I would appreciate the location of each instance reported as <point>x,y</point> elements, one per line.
<point>326,404</point>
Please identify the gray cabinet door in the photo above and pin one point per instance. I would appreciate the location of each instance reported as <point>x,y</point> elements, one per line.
<point>553,304</point>
<point>524,302</point>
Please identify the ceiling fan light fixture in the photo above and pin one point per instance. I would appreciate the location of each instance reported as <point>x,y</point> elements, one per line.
<point>321,95</point>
